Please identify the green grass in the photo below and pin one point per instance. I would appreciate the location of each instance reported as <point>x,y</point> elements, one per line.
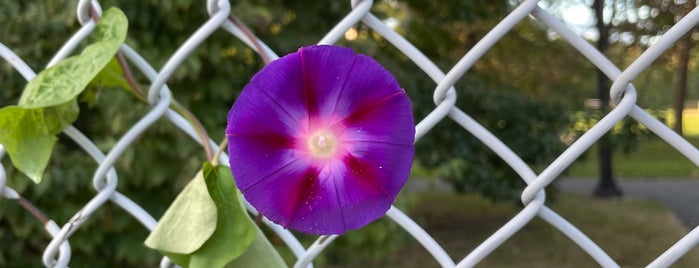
<point>653,159</point>
<point>690,123</point>
<point>632,231</point>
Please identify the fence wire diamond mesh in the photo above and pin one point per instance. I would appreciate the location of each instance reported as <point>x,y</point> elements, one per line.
<point>623,94</point>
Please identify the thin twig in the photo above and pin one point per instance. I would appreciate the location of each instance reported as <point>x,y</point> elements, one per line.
<point>36,212</point>
<point>179,108</point>
<point>221,147</point>
<point>258,219</point>
<point>129,76</point>
<point>198,127</point>
<point>250,35</point>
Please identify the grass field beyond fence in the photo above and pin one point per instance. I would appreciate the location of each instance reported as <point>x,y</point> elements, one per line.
<point>690,122</point>
<point>653,159</point>
<point>632,231</point>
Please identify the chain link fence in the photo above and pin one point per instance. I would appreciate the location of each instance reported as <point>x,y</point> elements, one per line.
<point>58,252</point>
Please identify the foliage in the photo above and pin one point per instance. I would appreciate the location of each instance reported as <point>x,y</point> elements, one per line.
<point>48,102</point>
<point>192,215</point>
<point>516,91</point>
<point>70,169</point>
<point>163,161</point>
<point>626,134</point>
<point>260,253</point>
<point>472,167</point>
<point>207,224</point>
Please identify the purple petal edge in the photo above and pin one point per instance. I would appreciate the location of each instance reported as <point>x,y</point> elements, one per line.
<point>321,87</point>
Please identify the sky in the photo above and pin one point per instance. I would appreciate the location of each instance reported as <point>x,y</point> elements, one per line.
<point>578,15</point>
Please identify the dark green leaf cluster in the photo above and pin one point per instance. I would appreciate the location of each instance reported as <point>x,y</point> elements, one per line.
<point>626,135</point>
<point>529,126</point>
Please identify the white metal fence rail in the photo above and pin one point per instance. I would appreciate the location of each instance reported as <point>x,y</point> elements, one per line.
<point>58,251</point>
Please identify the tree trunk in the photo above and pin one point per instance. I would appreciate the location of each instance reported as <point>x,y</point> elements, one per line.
<point>606,187</point>
<point>684,45</point>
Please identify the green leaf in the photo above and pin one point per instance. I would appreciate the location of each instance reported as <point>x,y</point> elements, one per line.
<point>48,103</point>
<point>25,136</point>
<point>112,76</point>
<point>60,116</point>
<point>188,222</point>
<point>235,230</point>
<point>180,259</point>
<point>260,254</point>
<point>65,80</point>
<point>90,95</point>
<point>29,134</point>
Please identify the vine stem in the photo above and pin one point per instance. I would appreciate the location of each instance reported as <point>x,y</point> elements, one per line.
<point>36,212</point>
<point>179,108</point>
<point>255,41</point>
<point>221,148</point>
<point>265,59</point>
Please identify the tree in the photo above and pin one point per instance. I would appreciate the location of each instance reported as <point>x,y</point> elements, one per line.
<point>648,19</point>
<point>606,187</point>
<point>503,81</point>
<point>683,49</point>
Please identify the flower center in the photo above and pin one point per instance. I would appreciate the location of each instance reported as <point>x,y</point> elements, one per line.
<point>322,144</point>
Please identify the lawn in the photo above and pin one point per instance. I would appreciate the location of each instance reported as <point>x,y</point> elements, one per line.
<point>690,122</point>
<point>632,231</point>
<point>653,159</point>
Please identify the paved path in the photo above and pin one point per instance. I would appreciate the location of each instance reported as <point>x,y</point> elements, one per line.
<point>682,196</point>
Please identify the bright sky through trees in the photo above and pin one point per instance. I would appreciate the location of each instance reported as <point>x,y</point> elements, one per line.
<point>576,14</point>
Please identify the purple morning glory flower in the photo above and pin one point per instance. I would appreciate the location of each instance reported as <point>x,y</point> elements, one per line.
<point>321,140</point>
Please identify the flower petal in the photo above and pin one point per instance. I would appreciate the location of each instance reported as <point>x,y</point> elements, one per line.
<point>367,85</point>
<point>260,126</point>
<point>282,82</point>
<point>325,74</point>
<point>250,168</point>
<point>388,165</point>
<point>263,115</point>
<point>370,121</point>
<point>298,197</point>
<point>321,140</point>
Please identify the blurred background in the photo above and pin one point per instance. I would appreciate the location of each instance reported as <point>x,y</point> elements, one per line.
<point>532,90</point>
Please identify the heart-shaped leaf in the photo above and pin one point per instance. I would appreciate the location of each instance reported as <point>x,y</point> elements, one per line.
<point>65,80</point>
<point>188,222</point>
<point>235,230</point>
<point>48,104</point>
<point>25,136</point>
<point>260,254</point>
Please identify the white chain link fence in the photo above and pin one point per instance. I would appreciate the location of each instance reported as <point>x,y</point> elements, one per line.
<point>58,251</point>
